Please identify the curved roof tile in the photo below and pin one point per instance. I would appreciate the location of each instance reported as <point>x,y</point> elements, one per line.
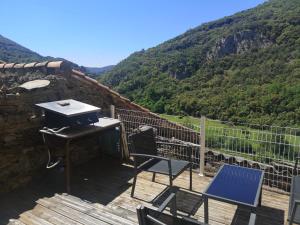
<point>9,65</point>
<point>56,64</point>
<point>19,66</point>
<point>41,64</point>
<point>30,65</point>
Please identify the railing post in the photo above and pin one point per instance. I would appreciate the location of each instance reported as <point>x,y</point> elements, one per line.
<point>112,111</point>
<point>202,145</point>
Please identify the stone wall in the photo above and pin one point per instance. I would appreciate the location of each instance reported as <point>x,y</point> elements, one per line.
<point>22,153</point>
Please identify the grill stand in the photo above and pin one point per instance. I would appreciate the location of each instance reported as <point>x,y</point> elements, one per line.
<point>69,135</point>
<point>68,166</point>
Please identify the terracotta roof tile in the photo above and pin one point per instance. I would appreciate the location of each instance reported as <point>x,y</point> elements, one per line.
<point>41,64</point>
<point>61,65</point>
<point>9,65</point>
<point>29,65</point>
<point>56,64</point>
<point>19,66</point>
<point>78,73</point>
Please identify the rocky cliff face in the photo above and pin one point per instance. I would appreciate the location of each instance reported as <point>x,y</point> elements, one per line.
<point>238,43</point>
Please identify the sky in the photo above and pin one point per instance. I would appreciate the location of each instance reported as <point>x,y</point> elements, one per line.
<point>104,32</point>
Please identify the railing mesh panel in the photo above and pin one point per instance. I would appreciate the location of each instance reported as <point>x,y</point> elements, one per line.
<point>270,148</point>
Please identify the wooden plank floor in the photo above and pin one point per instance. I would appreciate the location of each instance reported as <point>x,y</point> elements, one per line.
<point>101,192</point>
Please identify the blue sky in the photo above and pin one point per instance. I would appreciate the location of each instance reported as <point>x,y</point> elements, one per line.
<point>100,33</point>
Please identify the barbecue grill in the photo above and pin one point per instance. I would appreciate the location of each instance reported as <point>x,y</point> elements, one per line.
<point>68,120</point>
<point>68,113</point>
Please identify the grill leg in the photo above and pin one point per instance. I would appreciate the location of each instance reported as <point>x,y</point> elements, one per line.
<point>100,149</point>
<point>68,167</point>
<point>121,143</point>
<point>153,177</point>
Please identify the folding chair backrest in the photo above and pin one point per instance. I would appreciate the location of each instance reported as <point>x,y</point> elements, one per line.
<point>143,141</point>
<point>147,216</point>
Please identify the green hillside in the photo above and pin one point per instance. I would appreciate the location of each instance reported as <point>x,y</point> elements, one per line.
<point>96,72</point>
<point>13,52</point>
<point>244,68</point>
<point>10,51</point>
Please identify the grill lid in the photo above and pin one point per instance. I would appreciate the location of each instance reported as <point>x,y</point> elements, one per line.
<point>69,107</point>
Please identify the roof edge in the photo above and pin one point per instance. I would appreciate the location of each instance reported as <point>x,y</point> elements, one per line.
<point>60,65</point>
<point>81,76</point>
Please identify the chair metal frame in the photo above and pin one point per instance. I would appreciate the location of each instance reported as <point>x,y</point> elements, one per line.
<point>293,206</point>
<point>145,218</point>
<point>139,168</point>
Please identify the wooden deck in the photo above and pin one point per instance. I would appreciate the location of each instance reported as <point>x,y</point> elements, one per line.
<point>102,196</point>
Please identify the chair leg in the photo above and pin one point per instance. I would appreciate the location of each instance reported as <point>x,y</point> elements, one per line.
<point>191,177</point>
<point>171,181</point>
<point>173,208</point>
<point>153,177</point>
<point>133,184</point>
<point>292,214</point>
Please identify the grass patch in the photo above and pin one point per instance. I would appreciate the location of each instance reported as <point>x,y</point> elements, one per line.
<point>256,144</point>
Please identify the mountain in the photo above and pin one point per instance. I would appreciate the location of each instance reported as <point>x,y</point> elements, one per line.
<point>11,51</point>
<point>95,72</point>
<point>242,68</point>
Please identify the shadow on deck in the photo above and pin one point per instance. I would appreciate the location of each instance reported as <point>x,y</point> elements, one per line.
<point>98,181</point>
<point>106,182</point>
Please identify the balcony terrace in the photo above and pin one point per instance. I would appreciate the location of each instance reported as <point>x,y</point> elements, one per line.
<point>30,194</point>
<point>102,196</point>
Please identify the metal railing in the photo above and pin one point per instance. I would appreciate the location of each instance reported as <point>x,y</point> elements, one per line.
<point>261,143</point>
<point>166,132</point>
<point>273,149</point>
<point>270,148</point>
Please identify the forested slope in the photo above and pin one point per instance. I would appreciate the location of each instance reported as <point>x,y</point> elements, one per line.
<point>11,51</point>
<point>244,67</point>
